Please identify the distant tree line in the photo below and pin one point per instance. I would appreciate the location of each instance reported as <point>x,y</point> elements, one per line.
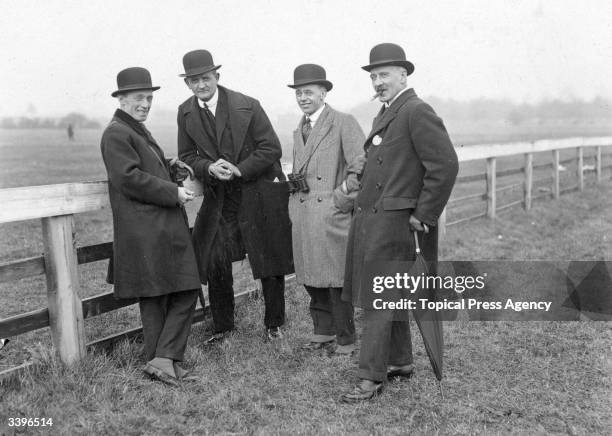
<point>487,109</point>
<point>77,120</point>
<point>543,112</point>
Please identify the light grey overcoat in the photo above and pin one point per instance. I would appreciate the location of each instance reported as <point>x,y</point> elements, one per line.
<point>321,218</point>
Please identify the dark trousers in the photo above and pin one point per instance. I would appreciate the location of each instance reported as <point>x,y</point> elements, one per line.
<point>383,342</point>
<point>228,246</point>
<point>330,315</point>
<point>221,296</point>
<point>166,323</point>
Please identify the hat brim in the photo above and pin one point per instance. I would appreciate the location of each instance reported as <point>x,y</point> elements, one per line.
<point>201,70</point>
<point>398,63</point>
<point>134,88</point>
<point>326,84</point>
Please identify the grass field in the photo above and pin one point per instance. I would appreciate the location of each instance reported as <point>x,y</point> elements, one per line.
<point>500,377</point>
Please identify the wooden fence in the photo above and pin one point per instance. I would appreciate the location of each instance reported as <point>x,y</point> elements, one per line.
<point>56,205</point>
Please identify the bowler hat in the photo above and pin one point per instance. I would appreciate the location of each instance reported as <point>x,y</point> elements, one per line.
<point>388,54</point>
<point>310,74</point>
<point>133,79</point>
<point>198,62</point>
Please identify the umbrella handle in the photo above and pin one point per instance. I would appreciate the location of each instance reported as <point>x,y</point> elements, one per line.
<point>416,243</point>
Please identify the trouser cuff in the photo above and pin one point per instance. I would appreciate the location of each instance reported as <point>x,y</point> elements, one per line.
<point>372,375</point>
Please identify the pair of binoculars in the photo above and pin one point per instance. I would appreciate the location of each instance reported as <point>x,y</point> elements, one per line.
<point>297,183</point>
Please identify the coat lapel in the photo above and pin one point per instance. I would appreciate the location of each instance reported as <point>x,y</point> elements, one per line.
<point>239,114</point>
<point>320,129</point>
<point>221,115</point>
<point>196,130</point>
<point>381,122</point>
<point>298,146</point>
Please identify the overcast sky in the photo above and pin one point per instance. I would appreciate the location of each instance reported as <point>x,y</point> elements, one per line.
<point>64,55</point>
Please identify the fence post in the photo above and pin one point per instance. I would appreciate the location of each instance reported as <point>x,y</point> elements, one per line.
<point>65,310</point>
<point>442,225</point>
<point>580,168</point>
<point>528,180</point>
<point>491,187</point>
<point>598,163</point>
<point>555,174</point>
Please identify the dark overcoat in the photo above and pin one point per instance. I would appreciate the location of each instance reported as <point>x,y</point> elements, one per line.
<point>263,213</point>
<point>410,170</point>
<point>152,250</point>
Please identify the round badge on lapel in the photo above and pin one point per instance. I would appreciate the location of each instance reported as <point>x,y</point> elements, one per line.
<point>376,140</point>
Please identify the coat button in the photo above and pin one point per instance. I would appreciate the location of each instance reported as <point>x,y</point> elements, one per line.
<point>379,160</point>
<point>374,210</point>
<point>318,177</point>
<point>378,186</point>
<point>319,199</point>
<point>359,209</point>
<point>301,200</point>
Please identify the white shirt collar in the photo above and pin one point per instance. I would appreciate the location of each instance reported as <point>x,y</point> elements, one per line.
<point>315,116</point>
<point>389,103</point>
<point>212,103</point>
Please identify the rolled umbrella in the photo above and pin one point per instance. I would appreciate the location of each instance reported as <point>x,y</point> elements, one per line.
<point>428,320</point>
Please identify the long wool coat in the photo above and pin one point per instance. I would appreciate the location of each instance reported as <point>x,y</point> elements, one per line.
<point>410,170</point>
<point>321,218</point>
<point>152,250</point>
<point>262,217</point>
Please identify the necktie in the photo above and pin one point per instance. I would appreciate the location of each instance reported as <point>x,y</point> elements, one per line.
<point>306,129</point>
<point>209,114</point>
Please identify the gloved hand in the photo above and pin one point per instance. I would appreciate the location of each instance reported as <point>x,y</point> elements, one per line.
<point>179,170</point>
<point>352,184</point>
<point>357,165</point>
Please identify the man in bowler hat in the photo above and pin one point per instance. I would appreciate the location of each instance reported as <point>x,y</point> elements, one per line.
<point>410,171</point>
<point>327,156</point>
<point>153,258</point>
<point>228,140</point>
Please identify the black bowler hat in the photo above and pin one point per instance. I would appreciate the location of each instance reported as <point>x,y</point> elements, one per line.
<point>133,79</point>
<point>310,74</point>
<point>198,62</point>
<point>388,54</point>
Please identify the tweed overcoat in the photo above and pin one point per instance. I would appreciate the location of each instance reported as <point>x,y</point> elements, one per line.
<point>321,217</point>
<point>263,216</point>
<point>152,250</point>
<point>410,169</point>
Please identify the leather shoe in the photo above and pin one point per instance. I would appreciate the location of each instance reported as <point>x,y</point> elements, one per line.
<point>185,375</point>
<point>313,346</point>
<point>274,333</point>
<point>341,350</point>
<point>362,393</point>
<point>216,338</point>
<point>405,371</point>
<point>155,373</point>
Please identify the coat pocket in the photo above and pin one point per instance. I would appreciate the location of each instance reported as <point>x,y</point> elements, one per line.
<point>398,203</point>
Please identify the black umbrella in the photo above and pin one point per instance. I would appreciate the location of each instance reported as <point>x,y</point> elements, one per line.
<point>428,320</point>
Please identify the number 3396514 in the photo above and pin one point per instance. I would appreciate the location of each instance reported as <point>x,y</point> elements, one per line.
<point>30,422</point>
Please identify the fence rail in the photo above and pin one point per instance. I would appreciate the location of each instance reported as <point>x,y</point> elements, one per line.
<point>56,205</point>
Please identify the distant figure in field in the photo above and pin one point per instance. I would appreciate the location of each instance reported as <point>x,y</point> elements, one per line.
<point>153,258</point>
<point>327,156</point>
<point>70,131</point>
